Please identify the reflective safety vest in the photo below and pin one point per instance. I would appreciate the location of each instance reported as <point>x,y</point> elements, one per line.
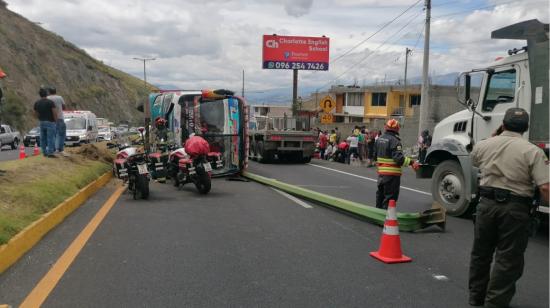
<point>389,155</point>
<point>387,166</point>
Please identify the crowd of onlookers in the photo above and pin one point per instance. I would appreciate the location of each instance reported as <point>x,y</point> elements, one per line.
<point>359,145</point>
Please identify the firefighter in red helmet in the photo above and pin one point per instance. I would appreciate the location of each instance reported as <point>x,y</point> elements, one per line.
<point>389,159</point>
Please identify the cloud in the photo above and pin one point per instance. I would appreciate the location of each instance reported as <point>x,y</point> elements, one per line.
<point>208,44</point>
<point>297,8</point>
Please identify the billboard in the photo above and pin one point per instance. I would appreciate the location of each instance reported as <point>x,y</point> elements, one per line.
<point>295,52</point>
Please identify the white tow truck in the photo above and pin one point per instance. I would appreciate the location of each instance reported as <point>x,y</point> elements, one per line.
<point>519,80</point>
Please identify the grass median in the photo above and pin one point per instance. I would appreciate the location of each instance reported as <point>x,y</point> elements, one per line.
<point>31,187</point>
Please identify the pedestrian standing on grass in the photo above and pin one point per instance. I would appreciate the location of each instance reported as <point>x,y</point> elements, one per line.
<point>46,113</point>
<point>510,167</point>
<point>60,127</point>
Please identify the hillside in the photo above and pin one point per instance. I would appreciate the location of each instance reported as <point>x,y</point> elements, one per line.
<point>32,56</point>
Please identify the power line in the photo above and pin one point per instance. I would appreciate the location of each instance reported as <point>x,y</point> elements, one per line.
<point>376,32</point>
<point>371,52</point>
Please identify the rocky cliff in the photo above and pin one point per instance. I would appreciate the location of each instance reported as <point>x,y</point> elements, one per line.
<point>32,56</point>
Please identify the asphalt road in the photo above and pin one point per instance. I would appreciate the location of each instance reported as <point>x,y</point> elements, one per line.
<point>246,245</point>
<point>6,153</point>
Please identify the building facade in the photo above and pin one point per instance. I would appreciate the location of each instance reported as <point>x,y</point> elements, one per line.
<point>371,106</point>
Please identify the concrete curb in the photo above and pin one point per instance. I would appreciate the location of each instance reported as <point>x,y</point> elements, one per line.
<point>408,222</point>
<point>28,237</point>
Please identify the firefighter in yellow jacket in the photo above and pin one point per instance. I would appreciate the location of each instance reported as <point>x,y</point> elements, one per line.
<point>389,158</point>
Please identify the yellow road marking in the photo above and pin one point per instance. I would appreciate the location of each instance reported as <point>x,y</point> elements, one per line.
<point>41,291</point>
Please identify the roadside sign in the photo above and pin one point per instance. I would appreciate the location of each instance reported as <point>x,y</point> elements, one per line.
<point>327,118</point>
<point>327,104</point>
<point>295,52</point>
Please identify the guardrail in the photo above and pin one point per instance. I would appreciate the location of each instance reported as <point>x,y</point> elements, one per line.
<point>408,222</point>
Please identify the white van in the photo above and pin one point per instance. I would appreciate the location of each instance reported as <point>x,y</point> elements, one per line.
<point>81,127</point>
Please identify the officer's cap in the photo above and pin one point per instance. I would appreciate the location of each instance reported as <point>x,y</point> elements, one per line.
<point>516,119</point>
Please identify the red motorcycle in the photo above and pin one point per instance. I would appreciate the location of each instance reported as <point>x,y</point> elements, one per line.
<point>131,166</point>
<point>193,164</point>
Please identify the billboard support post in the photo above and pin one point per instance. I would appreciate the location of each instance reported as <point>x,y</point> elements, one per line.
<point>295,92</point>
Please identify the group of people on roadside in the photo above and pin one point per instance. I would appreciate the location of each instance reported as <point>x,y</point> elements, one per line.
<point>49,112</point>
<point>359,145</point>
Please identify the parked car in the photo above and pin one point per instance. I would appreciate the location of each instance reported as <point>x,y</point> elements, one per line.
<point>104,133</point>
<point>81,127</point>
<point>9,136</point>
<point>32,137</point>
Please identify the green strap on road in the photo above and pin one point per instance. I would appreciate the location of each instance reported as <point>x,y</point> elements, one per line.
<point>408,222</point>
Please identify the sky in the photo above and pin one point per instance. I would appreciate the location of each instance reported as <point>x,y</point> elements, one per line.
<point>208,43</point>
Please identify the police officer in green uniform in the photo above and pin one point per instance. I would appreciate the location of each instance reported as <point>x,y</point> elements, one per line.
<point>510,167</point>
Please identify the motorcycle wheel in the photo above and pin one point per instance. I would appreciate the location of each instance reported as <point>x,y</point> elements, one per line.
<point>131,186</point>
<point>203,182</point>
<point>142,187</point>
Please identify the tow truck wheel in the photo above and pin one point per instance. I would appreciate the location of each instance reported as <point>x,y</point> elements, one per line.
<point>448,188</point>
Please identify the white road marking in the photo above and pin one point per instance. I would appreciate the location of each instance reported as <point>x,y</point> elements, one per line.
<point>323,186</point>
<point>440,277</point>
<point>292,198</point>
<point>370,179</point>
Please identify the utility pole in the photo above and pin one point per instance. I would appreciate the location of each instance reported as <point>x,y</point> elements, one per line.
<point>146,107</point>
<point>407,52</point>
<point>295,93</point>
<point>424,99</point>
<point>242,93</point>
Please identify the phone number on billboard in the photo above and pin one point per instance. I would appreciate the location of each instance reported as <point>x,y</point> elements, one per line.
<point>315,66</point>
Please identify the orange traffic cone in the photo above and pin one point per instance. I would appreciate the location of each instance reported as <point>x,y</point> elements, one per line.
<point>36,150</point>
<point>390,243</point>
<point>22,154</point>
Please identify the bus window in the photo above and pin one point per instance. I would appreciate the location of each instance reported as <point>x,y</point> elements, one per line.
<point>219,123</point>
<point>212,117</point>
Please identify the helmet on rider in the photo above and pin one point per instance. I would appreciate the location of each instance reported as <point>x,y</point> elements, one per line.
<point>160,122</point>
<point>392,125</point>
